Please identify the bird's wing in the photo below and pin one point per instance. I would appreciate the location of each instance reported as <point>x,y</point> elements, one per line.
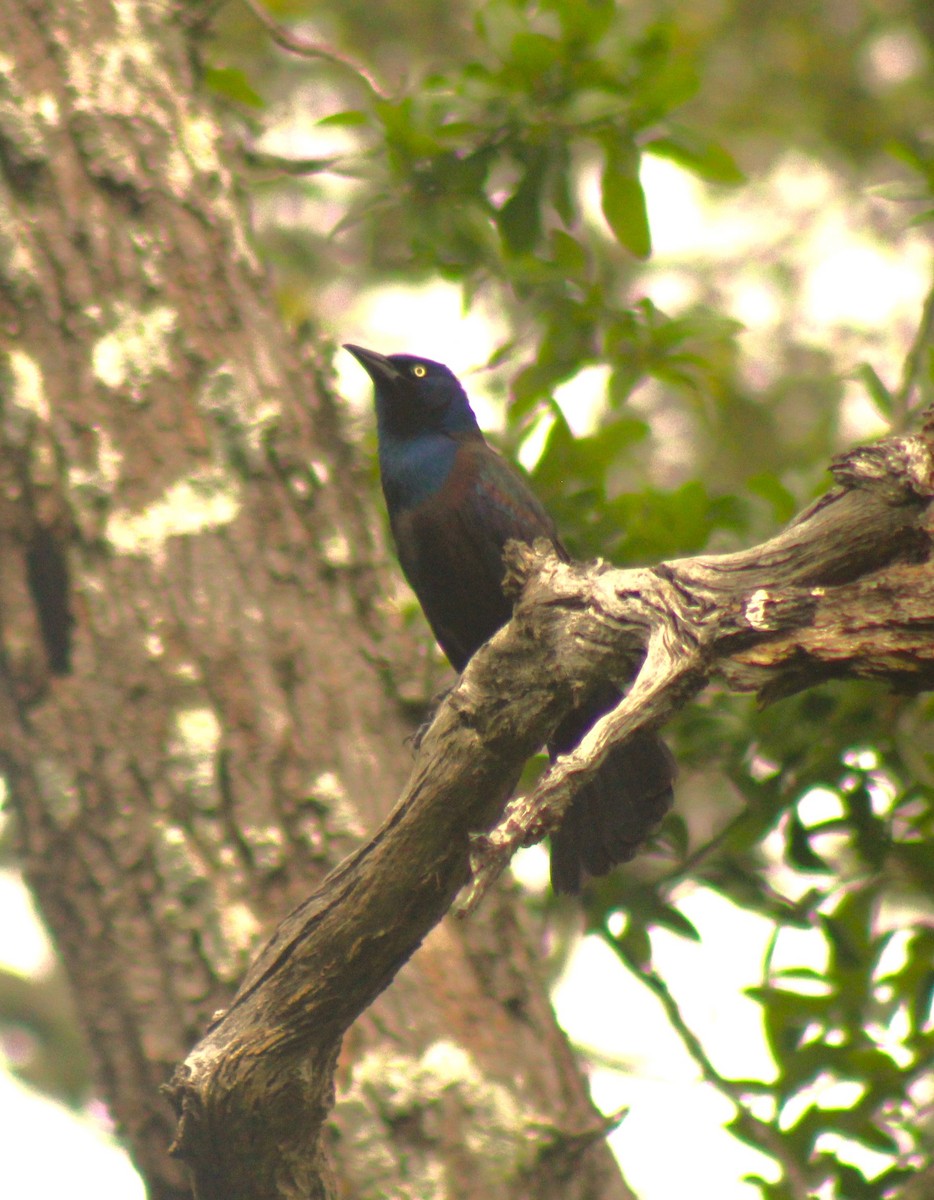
<point>499,505</point>
<point>451,546</point>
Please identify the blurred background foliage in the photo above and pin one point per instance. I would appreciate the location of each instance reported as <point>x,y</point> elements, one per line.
<point>505,148</point>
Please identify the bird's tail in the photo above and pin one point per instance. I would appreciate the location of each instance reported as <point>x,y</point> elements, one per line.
<point>614,812</point>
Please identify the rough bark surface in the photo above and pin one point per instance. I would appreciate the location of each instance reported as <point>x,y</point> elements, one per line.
<point>194,715</point>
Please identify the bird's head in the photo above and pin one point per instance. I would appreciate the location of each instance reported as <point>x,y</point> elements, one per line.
<point>415,395</point>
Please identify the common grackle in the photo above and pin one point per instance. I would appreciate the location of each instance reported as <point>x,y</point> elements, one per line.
<point>453,504</point>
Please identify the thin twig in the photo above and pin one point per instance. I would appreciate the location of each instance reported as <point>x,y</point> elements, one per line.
<point>654,982</point>
<point>688,866</point>
<point>563,1140</point>
<point>297,45</point>
<point>769,1137</point>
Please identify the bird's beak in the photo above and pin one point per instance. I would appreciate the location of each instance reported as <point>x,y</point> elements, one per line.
<point>377,366</point>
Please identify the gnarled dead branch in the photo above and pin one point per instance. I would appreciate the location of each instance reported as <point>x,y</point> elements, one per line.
<point>846,590</point>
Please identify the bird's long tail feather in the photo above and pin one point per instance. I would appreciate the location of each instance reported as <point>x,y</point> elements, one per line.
<point>613,814</point>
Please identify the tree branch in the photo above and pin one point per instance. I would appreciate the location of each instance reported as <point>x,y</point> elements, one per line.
<point>845,590</point>
<point>287,40</point>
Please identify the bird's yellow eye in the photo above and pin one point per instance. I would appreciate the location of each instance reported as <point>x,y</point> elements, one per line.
<point>419,371</point>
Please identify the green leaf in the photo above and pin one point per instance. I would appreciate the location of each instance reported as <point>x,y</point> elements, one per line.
<point>667,916</point>
<point>568,254</point>
<point>582,21</point>
<point>699,155</point>
<point>807,973</point>
<point>880,394</point>
<point>872,1136</point>
<point>770,487</point>
<point>853,1183</point>
<point>533,53</point>
<point>351,116</point>
<point>570,465</point>
<point>676,834</point>
<point>520,218</point>
<point>799,851</point>
<point>667,74</point>
<point>635,945</point>
<point>233,84</point>
<point>653,524</point>
<point>623,202</point>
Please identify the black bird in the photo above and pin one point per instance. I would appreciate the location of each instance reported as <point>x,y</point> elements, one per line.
<point>453,504</point>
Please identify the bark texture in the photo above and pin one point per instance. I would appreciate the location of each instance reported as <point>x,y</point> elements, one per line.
<point>195,720</point>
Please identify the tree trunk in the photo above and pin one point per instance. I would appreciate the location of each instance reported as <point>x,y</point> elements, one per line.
<point>195,718</point>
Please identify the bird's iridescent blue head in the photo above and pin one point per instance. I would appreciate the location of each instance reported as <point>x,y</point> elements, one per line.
<point>415,395</point>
